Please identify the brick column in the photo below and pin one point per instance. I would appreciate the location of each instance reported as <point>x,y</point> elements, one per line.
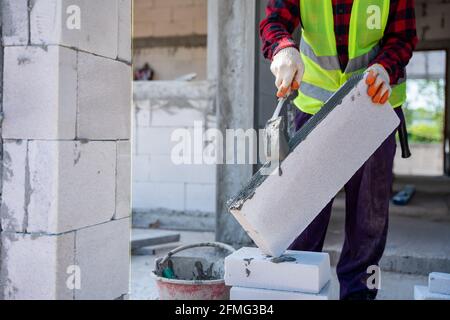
<point>66,135</point>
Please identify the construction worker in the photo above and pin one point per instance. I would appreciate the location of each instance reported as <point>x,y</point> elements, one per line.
<point>340,38</point>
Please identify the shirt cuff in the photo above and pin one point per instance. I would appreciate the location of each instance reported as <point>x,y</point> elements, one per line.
<point>282,44</point>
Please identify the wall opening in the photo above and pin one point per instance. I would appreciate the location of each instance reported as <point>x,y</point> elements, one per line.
<point>425,115</point>
<point>170,37</point>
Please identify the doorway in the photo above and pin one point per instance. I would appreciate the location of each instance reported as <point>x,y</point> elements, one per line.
<point>425,115</point>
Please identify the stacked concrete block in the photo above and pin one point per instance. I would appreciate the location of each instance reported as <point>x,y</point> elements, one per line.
<point>123,180</point>
<point>104,248</point>
<point>161,18</point>
<point>293,276</point>
<point>90,26</point>
<point>177,193</point>
<point>438,288</point>
<point>240,293</point>
<point>48,76</point>
<point>36,266</point>
<point>65,210</point>
<point>103,94</point>
<point>15,22</point>
<point>439,283</point>
<point>56,170</point>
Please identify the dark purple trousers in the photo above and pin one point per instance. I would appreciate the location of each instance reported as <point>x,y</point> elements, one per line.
<point>366,221</point>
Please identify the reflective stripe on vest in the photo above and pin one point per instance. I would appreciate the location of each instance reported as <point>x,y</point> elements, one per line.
<point>323,74</point>
<point>332,62</point>
<point>315,92</point>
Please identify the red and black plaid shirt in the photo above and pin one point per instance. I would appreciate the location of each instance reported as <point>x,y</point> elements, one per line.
<point>397,46</point>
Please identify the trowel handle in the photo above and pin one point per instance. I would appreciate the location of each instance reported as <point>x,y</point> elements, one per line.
<point>280,105</point>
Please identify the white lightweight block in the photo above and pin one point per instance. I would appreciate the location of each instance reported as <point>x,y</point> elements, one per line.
<point>157,195</point>
<point>249,267</point>
<point>35,266</point>
<point>439,283</point>
<point>103,255</point>
<point>104,98</point>
<point>200,197</point>
<point>124,36</point>
<point>422,293</point>
<point>72,184</point>
<point>14,22</point>
<point>14,179</point>
<point>240,293</point>
<point>40,93</point>
<point>123,180</point>
<point>284,205</point>
<point>90,26</point>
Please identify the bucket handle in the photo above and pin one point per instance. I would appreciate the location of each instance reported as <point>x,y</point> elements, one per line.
<point>190,246</point>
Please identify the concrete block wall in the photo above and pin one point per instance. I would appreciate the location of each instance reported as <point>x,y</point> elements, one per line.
<point>170,63</point>
<point>65,208</point>
<point>160,18</point>
<point>177,195</point>
<point>175,28</point>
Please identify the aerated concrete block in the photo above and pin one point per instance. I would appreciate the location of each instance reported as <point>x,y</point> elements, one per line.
<point>124,32</point>
<point>158,141</point>
<point>13,217</point>
<point>422,293</point>
<point>240,293</point>
<point>306,272</point>
<point>282,206</point>
<point>104,98</point>
<point>163,169</point>
<point>439,283</point>
<point>40,92</point>
<point>200,197</point>
<point>103,255</point>
<point>184,113</point>
<point>72,184</point>
<point>157,195</point>
<point>87,25</point>
<point>141,166</point>
<point>123,180</point>
<point>36,266</point>
<point>14,22</point>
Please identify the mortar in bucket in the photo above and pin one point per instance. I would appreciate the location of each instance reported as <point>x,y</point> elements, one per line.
<point>198,276</point>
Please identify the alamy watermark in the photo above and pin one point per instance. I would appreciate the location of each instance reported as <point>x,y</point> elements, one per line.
<point>374,279</point>
<point>73,281</point>
<point>198,145</point>
<point>73,21</point>
<point>373,21</point>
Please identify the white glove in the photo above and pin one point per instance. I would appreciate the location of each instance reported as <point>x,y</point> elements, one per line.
<point>288,68</point>
<point>377,80</point>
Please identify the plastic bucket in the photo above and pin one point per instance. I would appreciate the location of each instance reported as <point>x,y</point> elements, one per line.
<point>191,289</point>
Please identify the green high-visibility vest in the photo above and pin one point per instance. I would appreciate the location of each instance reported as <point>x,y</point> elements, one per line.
<point>323,74</point>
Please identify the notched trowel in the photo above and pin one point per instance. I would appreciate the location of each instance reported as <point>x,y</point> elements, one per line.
<point>275,139</point>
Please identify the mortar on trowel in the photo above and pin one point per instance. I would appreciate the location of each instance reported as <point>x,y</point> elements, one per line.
<point>198,275</point>
<point>275,140</point>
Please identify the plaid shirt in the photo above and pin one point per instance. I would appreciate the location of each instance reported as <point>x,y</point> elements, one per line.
<point>397,46</point>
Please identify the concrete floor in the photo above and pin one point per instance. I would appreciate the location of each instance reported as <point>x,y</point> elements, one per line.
<point>394,285</point>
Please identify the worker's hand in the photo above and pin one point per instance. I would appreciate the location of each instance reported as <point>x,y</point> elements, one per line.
<point>377,80</point>
<point>287,67</point>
